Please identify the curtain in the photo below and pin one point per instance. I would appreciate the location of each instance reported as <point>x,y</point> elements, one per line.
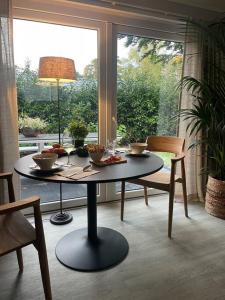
<point>193,66</point>
<point>9,151</point>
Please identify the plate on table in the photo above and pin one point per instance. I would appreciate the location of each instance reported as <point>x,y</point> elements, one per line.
<point>104,163</point>
<point>143,154</point>
<point>55,167</point>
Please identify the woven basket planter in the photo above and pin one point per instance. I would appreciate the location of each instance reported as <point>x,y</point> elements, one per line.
<point>215,198</point>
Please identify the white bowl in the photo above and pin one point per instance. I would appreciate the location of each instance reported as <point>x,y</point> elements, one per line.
<point>96,156</point>
<point>138,148</point>
<point>45,160</point>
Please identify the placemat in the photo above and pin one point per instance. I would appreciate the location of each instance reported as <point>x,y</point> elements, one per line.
<point>76,173</point>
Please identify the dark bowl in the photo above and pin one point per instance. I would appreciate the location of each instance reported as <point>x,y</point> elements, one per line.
<point>82,152</point>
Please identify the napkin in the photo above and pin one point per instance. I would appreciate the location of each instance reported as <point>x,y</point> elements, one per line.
<point>76,173</point>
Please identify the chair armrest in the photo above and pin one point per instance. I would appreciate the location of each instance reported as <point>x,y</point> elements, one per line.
<point>178,158</point>
<point>18,205</point>
<point>6,175</point>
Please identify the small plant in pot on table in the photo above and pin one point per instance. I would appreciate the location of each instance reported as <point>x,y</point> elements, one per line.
<point>78,131</point>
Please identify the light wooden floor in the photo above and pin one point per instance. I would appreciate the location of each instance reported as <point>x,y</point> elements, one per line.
<point>190,266</point>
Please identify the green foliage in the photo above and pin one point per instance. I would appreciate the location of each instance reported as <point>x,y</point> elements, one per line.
<point>138,108</point>
<point>28,91</point>
<point>91,70</point>
<point>207,114</point>
<point>33,123</point>
<point>168,99</point>
<point>121,130</point>
<point>78,99</point>
<point>146,97</point>
<point>156,50</point>
<point>92,127</point>
<point>78,129</point>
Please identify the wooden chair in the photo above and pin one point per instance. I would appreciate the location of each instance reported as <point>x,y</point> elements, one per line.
<point>16,232</point>
<point>160,180</point>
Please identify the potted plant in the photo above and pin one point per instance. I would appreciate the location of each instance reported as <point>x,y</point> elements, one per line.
<point>31,127</point>
<point>78,131</point>
<point>208,113</point>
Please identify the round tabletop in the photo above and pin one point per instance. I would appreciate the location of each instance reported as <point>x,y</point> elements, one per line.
<point>135,167</point>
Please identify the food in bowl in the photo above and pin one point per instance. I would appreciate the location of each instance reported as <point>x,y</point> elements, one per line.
<point>56,148</point>
<point>137,148</point>
<point>45,160</point>
<point>96,151</point>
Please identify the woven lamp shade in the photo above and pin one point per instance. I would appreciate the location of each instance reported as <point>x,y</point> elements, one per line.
<point>55,69</point>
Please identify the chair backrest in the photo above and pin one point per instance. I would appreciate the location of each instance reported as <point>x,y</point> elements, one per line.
<point>8,176</point>
<point>170,144</point>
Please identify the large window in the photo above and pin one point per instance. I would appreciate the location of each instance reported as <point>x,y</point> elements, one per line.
<point>142,95</point>
<point>148,71</point>
<point>37,103</point>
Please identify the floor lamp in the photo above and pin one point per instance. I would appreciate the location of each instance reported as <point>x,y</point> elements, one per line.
<point>57,71</point>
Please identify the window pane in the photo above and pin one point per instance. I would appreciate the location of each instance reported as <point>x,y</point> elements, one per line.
<point>148,71</point>
<point>37,101</point>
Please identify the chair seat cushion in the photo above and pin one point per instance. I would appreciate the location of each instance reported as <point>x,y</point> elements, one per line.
<point>15,232</point>
<point>159,178</point>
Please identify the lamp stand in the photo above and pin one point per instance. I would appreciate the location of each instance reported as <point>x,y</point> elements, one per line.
<point>59,115</point>
<point>61,217</point>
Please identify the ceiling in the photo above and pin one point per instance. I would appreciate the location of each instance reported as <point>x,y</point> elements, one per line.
<point>214,5</point>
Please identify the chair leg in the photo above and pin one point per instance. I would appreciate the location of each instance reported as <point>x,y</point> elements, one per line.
<point>122,200</point>
<point>146,194</point>
<point>20,259</point>
<point>184,189</point>
<point>42,253</point>
<point>43,260</point>
<point>185,198</point>
<point>170,219</point>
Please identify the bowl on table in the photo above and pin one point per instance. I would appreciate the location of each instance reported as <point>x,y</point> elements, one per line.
<point>96,156</point>
<point>137,148</point>
<point>45,161</point>
<point>96,151</point>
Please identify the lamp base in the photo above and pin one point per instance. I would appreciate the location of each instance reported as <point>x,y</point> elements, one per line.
<point>61,218</point>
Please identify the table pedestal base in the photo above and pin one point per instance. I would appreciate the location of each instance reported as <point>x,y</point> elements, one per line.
<point>78,252</point>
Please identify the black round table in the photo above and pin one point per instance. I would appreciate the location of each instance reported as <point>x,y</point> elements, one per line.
<point>93,248</point>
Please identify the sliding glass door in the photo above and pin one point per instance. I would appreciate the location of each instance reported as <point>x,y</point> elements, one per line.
<point>37,102</point>
<point>148,70</point>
